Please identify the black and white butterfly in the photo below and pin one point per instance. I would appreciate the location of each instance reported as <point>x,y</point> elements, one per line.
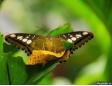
<point>24,40</point>
<point>30,42</point>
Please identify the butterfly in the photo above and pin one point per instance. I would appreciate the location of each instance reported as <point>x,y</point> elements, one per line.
<point>43,49</point>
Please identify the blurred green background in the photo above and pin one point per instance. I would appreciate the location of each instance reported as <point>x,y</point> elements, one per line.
<point>91,63</point>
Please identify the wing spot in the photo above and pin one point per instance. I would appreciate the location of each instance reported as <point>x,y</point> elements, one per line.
<point>64,36</point>
<point>34,37</point>
<point>71,36</point>
<point>73,39</point>
<point>13,35</point>
<point>27,37</point>
<point>78,36</point>
<point>69,40</point>
<point>20,37</point>
<point>29,41</point>
<point>24,40</point>
<point>85,33</point>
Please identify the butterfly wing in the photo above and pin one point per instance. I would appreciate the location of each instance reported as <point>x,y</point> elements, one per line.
<point>78,38</point>
<point>22,40</point>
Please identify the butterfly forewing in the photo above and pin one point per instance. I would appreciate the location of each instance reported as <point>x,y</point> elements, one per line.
<point>21,40</point>
<point>78,38</point>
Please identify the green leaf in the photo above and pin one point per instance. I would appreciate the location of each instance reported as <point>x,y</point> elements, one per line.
<point>67,45</point>
<point>60,30</point>
<point>108,67</point>
<point>9,48</point>
<point>38,71</point>
<point>12,69</point>
<point>17,71</point>
<point>3,65</point>
<point>47,80</point>
<point>4,79</point>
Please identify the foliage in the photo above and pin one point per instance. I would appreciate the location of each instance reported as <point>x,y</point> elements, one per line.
<point>15,72</point>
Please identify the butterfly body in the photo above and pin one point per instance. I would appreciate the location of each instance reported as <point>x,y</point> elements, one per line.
<point>53,44</point>
<point>43,49</point>
<point>46,49</point>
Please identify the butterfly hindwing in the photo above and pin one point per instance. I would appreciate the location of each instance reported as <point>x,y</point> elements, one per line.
<point>78,38</point>
<point>21,40</point>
